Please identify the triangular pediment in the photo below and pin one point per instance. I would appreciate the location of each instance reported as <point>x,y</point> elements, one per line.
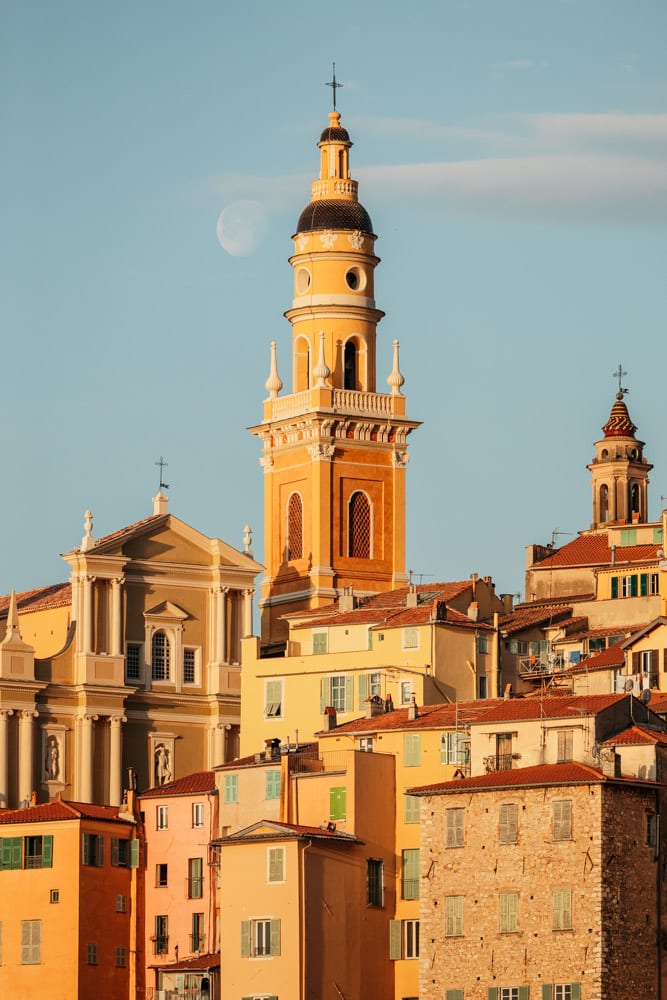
<point>167,610</point>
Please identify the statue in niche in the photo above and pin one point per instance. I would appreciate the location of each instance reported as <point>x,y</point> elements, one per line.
<point>52,759</point>
<point>162,765</point>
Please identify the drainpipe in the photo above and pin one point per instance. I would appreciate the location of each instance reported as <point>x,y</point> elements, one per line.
<point>302,929</point>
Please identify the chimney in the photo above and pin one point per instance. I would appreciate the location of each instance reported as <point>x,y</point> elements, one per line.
<point>374,706</point>
<point>329,718</point>
<point>613,555</point>
<point>473,611</point>
<point>610,762</point>
<point>347,601</point>
<point>160,503</point>
<point>508,692</point>
<point>412,709</point>
<point>413,597</point>
<point>508,603</point>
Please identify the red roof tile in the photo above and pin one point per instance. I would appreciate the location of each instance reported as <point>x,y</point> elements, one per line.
<point>192,784</point>
<point>609,658</point>
<point>200,963</point>
<point>60,809</point>
<point>56,595</point>
<point>252,759</point>
<point>540,775</point>
<point>558,707</point>
<point>530,617</point>
<point>117,538</point>
<point>636,736</point>
<point>593,550</point>
<point>446,716</point>
<point>272,829</point>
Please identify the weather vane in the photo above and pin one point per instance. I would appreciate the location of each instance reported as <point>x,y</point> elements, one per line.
<point>334,85</point>
<point>163,463</point>
<point>619,375</point>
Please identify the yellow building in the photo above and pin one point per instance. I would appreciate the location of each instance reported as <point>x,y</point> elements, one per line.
<point>135,662</point>
<point>335,448</point>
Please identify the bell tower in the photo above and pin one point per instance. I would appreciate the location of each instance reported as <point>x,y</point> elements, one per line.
<point>619,471</point>
<point>335,449</point>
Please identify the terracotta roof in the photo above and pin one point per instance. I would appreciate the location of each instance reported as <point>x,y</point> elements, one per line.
<point>558,707</point>
<point>273,829</point>
<point>619,423</point>
<point>117,538</point>
<point>540,775</point>
<point>252,761</point>
<point>200,963</point>
<point>529,617</point>
<point>594,550</point>
<point>191,784</point>
<point>547,602</point>
<point>611,657</point>
<point>56,595</point>
<point>636,736</point>
<point>445,716</point>
<point>61,809</point>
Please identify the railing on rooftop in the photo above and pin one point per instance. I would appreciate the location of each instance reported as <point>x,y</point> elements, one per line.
<point>542,665</point>
<point>499,761</point>
<point>378,404</point>
<point>310,762</point>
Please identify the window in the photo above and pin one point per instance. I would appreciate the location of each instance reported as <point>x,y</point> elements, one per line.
<point>503,760</point>
<point>31,942</point>
<point>231,788</point>
<point>561,991</point>
<point>197,935</point>
<point>411,808</point>
<point>454,748</point>
<point>350,351</point>
<point>37,852</point>
<point>453,916</point>
<point>160,657</point>
<point>92,850</point>
<point>319,642</point>
<point>162,818</point>
<point>412,749</point>
<point>562,910</point>
<point>260,937</point>
<point>370,686</point>
<point>121,958</point>
<point>337,803</point>
<point>197,814</point>
<point>509,993</point>
<point>366,744</point>
<point>628,586</point>
<point>509,912</point>
<point>132,662</point>
<point>403,939</point>
<point>509,823</point>
<point>482,687</point>
<point>565,745</point>
<point>92,954</point>
<point>273,699</point>
<point>10,852</point>
<point>121,903</point>
<point>359,526</point>
<point>410,638</point>
<point>161,876</point>
<point>294,527</point>
<point>562,819</point>
<point>337,692</point>
<point>161,935</point>
<point>120,852</point>
<point>652,821</point>
<point>454,827</point>
<point>195,878</point>
<point>482,643</point>
<point>272,785</point>
<point>406,692</point>
<point>374,888</point>
<point>189,666</point>
<point>275,864</point>
<point>54,896</point>
<point>410,873</point>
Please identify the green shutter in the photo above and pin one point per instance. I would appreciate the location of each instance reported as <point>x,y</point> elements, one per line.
<point>319,642</point>
<point>349,694</point>
<point>643,584</point>
<point>275,937</point>
<point>134,854</point>
<point>614,586</point>
<point>363,690</point>
<point>245,939</point>
<point>47,852</point>
<point>412,749</point>
<point>492,993</point>
<point>395,939</point>
<point>272,785</point>
<point>324,693</point>
<point>337,803</point>
<point>524,993</point>
<point>454,995</point>
<point>547,991</point>
<point>411,808</point>
<point>633,586</point>
<point>11,852</point>
<point>575,989</point>
<point>100,851</point>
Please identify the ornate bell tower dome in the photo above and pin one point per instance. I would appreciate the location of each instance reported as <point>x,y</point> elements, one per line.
<point>619,471</point>
<point>334,448</point>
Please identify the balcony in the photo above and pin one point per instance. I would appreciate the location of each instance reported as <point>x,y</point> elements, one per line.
<point>542,665</point>
<point>197,943</point>
<point>314,763</point>
<point>500,762</point>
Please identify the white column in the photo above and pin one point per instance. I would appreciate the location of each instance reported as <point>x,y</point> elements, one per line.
<point>87,623</point>
<point>85,782</point>
<point>116,760</point>
<point>247,612</point>
<point>4,761</point>
<point>221,625</point>
<point>26,717</point>
<point>116,623</point>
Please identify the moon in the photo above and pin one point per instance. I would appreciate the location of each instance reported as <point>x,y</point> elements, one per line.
<point>241,227</point>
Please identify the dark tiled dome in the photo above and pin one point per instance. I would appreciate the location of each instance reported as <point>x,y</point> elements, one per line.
<point>334,134</point>
<point>331,214</point>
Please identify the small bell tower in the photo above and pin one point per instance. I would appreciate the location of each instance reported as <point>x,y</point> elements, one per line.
<point>335,449</point>
<point>619,471</point>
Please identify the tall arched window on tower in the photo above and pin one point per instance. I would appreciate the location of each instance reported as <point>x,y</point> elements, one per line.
<point>350,365</point>
<point>160,657</point>
<point>301,365</point>
<point>604,502</point>
<point>359,526</point>
<point>634,498</point>
<point>294,527</point>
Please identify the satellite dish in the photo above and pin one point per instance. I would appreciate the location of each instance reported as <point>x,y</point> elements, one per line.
<point>629,684</point>
<point>645,696</point>
<point>595,751</point>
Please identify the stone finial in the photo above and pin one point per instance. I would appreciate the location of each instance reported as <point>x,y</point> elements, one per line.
<point>274,383</point>
<point>160,502</point>
<point>395,380</point>
<point>321,371</point>
<point>88,542</point>
<point>12,632</point>
<point>247,540</point>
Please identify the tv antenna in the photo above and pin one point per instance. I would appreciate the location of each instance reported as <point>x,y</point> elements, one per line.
<point>163,463</point>
<point>421,576</point>
<point>556,532</point>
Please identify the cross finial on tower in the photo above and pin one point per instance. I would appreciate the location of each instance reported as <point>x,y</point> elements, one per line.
<point>333,83</point>
<point>162,462</point>
<point>619,375</point>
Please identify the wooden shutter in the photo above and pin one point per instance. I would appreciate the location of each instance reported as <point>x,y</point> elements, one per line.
<point>547,991</point>
<point>245,939</point>
<point>509,912</point>
<point>395,939</point>
<point>337,803</point>
<point>275,937</point>
<point>454,916</point>
<point>454,995</point>
<point>47,852</point>
<point>655,661</point>
<point>324,693</point>
<point>412,808</point>
<point>614,586</point>
<point>349,694</point>
<point>412,749</point>
<point>492,993</point>
<point>100,852</point>
<point>562,812</point>
<point>115,850</point>
<point>362,690</point>
<point>633,586</point>
<point>524,993</point>
<point>643,584</point>
<point>575,990</point>
<point>11,852</point>
<point>276,864</point>
<point>134,854</point>
<point>319,642</point>
<point>508,823</point>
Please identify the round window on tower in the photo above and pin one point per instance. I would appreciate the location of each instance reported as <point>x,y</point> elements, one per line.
<point>355,279</point>
<point>302,281</point>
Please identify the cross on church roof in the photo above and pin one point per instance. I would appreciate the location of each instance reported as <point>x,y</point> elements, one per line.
<point>162,462</point>
<point>334,86</point>
<point>619,375</point>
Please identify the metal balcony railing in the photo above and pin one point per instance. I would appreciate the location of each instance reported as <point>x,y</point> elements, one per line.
<point>500,762</point>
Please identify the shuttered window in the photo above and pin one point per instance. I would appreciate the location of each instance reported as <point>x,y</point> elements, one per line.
<point>410,873</point>
<point>454,828</point>
<point>31,942</point>
<point>412,749</point>
<point>509,912</point>
<point>562,909</point>
<point>275,858</point>
<point>508,823</point>
<point>411,808</point>
<point>562,819</point>
<point>272,784</point>
<point>453,916</point>
<point>337,803</point>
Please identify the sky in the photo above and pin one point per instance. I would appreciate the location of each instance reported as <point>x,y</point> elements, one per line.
<point>512,155</point>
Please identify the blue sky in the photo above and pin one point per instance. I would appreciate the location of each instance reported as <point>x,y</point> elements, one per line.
<point>512,155</point>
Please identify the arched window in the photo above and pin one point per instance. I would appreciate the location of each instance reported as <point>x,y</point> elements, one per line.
<point>359,526</point>
<point>634,499</point>
<point>350,365</point>
<point>294,527</point>
<point>160,657</point>
<point>604,503</point>
<point>301,365</point>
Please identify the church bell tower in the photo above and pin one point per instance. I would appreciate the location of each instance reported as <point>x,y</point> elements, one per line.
<point>335,449</point>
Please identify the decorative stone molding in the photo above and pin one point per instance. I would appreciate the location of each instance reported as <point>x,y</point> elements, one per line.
<point>400,459</point>
<point>54,764</point>
<point>321,452</point>
<point>266,462</point>
<point>356,240</point>
<point>328,239</point>
<point>162,762</point>
<point>302,243</point>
